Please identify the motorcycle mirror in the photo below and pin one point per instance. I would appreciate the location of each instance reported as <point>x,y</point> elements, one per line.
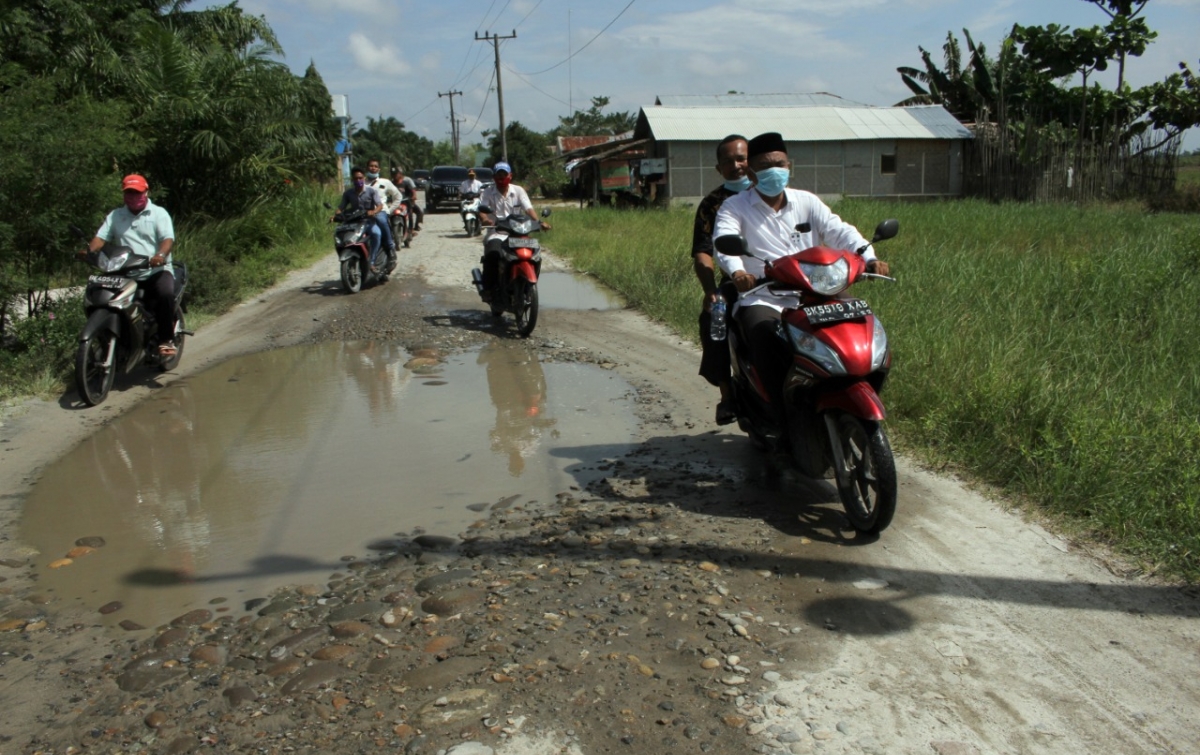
<point>485,208</point>
<point>734,246</point>
<point>886,230</point>
<point>545,212</point>
<point>77,232</point>
<point>327,205</point>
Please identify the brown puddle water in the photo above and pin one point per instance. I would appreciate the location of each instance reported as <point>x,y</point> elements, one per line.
<point>573,291</point>
<point>268,469</point>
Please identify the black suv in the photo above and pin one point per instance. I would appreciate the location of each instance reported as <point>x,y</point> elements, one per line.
<point>443,186</point>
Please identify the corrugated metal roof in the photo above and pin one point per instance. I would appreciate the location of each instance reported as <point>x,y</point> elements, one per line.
<point>803,124</point>
<point>754,100</point>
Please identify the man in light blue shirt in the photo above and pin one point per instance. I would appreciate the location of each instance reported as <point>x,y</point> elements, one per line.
<point>147,229</point>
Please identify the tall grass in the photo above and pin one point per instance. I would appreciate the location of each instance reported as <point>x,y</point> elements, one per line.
<point>1046,349</point>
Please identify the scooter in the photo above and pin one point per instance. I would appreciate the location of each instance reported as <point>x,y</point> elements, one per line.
<point>352,244</point>
<point>401,227</point>
<point>840,359</point>
<point>120,333</point>
<point>519,266</point>
<point>469,210</point>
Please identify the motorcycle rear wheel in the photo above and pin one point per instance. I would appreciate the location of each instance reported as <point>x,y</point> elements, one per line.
<point>353,274</point>
<point>526,309</point>
<point>92,379</point>
<point>867,484</point>
<point>169,364</point>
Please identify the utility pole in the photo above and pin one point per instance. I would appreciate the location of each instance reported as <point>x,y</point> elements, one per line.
<point>495,40</point>
<point>453,122</point>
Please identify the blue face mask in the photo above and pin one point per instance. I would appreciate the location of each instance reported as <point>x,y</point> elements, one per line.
<point>740,184</point>
<point>772,181</point>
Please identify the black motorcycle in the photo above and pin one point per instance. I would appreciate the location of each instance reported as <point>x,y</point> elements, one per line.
<point>121,334</point>
<point>352,244</point>
<point>519,267</point>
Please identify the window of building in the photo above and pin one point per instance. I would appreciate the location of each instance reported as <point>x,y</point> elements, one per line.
<point>887,165</point>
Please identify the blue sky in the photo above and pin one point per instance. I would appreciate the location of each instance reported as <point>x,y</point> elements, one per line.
<point>392,57</point>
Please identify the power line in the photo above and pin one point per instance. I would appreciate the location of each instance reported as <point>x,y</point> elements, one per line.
<point>527,15</point>
<point>486,95</point>
<point>581,49</point>
<point>535,86</point>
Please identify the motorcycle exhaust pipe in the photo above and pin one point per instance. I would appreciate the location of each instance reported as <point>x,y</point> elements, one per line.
<point>477,279</point>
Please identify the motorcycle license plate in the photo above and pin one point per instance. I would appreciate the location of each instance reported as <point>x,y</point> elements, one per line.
<point>107,281</point>
<point>836,311</point>
<point>522,242</point>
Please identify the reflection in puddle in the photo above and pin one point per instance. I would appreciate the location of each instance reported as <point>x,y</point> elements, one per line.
<point>267,469</point>
<point>572,291</point>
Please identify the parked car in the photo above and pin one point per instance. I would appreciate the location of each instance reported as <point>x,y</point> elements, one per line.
<point>443,186</point>
<point>421,179</point>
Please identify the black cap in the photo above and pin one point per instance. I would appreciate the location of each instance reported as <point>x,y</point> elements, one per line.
<point>771,141</point>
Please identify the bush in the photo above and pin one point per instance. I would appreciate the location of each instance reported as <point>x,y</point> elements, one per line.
<point>1184,199</point>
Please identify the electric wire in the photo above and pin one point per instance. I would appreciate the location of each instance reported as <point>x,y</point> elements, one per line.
<point>590,41</point>
<point>527,15</point>
<point>535,86</point>
<point>486,97</point>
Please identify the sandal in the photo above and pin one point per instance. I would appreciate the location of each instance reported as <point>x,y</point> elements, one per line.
<point>167,350</point>
<point>725,413</point>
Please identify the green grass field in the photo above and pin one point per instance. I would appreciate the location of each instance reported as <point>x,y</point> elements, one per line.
<point>1046,349</point>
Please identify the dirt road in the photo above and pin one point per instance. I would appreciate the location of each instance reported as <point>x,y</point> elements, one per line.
<point>690,598</point>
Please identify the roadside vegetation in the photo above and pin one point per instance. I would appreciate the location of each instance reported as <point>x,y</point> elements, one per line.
<point>1045,349</point>
<point>234,145</point>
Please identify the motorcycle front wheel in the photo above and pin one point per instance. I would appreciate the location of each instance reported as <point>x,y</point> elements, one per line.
<point>526,309</point>
<point>867,480</point>
<point>169,364</point>
<point>352,274</point>
<point>92,379</point>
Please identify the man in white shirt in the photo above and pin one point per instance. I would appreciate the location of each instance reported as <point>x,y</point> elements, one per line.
<point>391,200</point>
<point>770,217</point>
<point>471,186</point>
<point>503,198</point>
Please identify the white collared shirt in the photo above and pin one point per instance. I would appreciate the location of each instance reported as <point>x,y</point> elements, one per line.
<point>771,235</point>
<point>391,195</point>
<point>513,202</point>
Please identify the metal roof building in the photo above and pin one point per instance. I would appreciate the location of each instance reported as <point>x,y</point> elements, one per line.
<point>837,147</point>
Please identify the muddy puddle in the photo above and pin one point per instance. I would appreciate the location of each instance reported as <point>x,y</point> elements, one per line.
<point>270,469</point>
<point>574,291</point>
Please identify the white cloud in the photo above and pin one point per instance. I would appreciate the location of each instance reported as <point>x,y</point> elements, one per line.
<point>383,59</point>
<point>378,9</point>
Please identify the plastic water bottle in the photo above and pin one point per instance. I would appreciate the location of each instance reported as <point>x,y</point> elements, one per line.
<point>717,329</point>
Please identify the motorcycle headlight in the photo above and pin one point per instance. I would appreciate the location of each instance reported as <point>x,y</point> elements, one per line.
<point>813,348</point>
<point>827,279</point>
<point>113,263</point>
<point>879,346</point>
<point>521,226</point>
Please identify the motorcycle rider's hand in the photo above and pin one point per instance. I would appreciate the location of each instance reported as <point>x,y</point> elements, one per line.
<point>157,260</point>
<point>879,267</point>
<point>545,226</point>
<point>81,254</point>
<point>743,280</point>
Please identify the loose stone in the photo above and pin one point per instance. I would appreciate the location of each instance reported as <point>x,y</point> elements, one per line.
<point>112,607</point>
<point>92,541</point>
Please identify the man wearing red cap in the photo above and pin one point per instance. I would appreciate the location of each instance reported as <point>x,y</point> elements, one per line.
<point>147,229</point>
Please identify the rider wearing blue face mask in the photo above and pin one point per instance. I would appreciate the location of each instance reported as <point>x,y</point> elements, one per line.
<point>770,218</point>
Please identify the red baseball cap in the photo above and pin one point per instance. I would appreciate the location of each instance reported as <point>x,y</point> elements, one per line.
<point>134,182</point>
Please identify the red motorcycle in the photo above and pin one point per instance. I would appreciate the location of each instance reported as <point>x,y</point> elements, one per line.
<point>832,415</point>
<point>520,264</point>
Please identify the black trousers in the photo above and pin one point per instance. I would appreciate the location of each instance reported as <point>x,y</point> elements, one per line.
<point>714,355</point>
<point>491,262</point>
<point>770,357</point>
<point>159,293</point>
